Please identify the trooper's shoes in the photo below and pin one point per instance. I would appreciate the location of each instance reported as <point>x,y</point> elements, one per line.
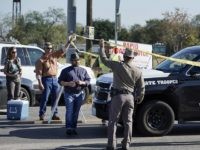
<point>55,118</point>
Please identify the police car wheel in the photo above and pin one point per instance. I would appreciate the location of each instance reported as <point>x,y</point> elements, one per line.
<point>155,118</point>
<point>24,95</point>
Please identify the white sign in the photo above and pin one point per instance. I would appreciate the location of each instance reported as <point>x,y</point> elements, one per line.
<point>142,60</point>
<point>90,32</point>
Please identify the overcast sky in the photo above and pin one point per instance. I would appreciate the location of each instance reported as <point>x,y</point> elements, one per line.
<point>132,11</point>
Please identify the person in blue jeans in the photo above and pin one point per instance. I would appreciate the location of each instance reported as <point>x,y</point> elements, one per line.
<point>46,70</point>
<point>74,79</point>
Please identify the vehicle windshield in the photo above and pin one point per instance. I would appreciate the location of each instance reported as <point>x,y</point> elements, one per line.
<point>172,66</point>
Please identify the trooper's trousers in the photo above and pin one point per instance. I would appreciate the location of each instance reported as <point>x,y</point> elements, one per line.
<point>122,104</point>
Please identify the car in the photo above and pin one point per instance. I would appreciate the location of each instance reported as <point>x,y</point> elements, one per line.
<point>172,93</point>
<point>29,55</point>
<point>27,92</point>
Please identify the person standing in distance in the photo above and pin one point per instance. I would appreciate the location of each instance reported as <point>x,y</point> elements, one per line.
<point>126,79</point>
<point>74,79</point>
<point>46,71</point>
<point>13,72</point>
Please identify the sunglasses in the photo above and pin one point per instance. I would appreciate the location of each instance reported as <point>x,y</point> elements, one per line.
<point>75,60</point>
<point>13,52</point>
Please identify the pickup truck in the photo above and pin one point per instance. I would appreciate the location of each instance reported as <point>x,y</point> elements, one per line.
<point>172,93</point>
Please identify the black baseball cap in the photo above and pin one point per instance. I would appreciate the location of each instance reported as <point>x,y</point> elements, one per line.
<point>74,56</point>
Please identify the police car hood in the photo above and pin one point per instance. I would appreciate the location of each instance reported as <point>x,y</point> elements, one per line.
<point>147,74</point>
<point>152,73</point>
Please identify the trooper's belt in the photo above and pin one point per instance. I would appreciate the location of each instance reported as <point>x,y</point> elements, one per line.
<point>115,91</point>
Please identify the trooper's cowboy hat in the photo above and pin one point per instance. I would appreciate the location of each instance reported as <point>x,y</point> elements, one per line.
<point>129,53</point>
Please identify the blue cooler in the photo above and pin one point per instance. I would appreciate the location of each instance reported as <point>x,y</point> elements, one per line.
<point>17,109</point>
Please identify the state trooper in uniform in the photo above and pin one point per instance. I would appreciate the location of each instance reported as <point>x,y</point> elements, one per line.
<point>127,79</point>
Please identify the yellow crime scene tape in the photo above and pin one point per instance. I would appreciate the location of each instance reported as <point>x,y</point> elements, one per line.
<point>183,61</point>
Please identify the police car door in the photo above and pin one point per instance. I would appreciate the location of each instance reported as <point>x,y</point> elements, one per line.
<point>189,94</point>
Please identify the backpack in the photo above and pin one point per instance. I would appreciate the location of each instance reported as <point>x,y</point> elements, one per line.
<point>9,68</point>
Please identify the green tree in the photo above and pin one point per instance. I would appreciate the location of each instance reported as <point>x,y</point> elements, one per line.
<point>5,25</point>
<point>123,35</point>
<point>179,32</point>
<point>137,34</point>
<point>196,24</point>
<point>104,29</point>
<point>52,18</point>
<point>154,30</point>
<point>36,27</point>
<point>19,31</point>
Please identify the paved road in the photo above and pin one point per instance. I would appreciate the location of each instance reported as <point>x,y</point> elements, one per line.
<point>84,116</point>
<point>92,135</point>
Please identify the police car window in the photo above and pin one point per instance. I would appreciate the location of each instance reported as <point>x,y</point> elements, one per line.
<point>178,66</point>
<point>21,55</point>
<point>3,55</point>
<point>173,66</point>
<point>34,54</point>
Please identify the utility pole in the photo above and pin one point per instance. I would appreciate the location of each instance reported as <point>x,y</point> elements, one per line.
<point>16,11</point>
<point>117,20</point>
<point>71,16</point>
<point>88,58</point>
<point>71,24</point>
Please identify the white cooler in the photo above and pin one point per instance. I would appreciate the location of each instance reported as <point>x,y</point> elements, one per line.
<point>17,109</point>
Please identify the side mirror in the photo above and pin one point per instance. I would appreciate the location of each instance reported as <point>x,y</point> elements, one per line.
<point>194,73</point>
